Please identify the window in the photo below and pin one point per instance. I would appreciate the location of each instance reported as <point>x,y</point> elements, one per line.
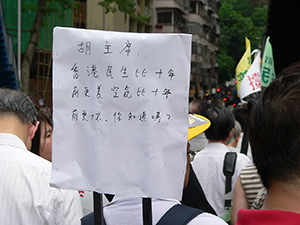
<point>177,19</point>
<point>195,28</point>
<point>194,48</point>
<point>200,10</point>
<point>193,7</point>
<point>195,67</point>
<point>165,17</point>
<point>209,17</point>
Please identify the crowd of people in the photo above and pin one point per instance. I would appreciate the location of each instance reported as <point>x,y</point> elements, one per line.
<point>247,160</point>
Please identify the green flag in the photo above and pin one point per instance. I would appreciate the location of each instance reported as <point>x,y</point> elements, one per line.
<point>267,66</point>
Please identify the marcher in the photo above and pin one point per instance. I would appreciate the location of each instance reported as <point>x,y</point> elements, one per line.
<point>208,163</point>
<point>42,141</point>
<point>129,211</point>
<point>199,107</point>
<point>246,190</point>
<point>25,194</point>
<point>232,144</point>
<point>240,115</point>
<point>274,131</point>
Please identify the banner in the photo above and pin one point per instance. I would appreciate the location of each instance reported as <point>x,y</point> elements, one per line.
<point>267,67</point>
<point>251,81</point>
<point>243,65</point>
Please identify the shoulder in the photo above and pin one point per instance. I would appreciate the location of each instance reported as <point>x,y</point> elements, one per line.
<point>36,163</point>
<point>248,216</point>
<point>243,159</point>
<point>15,152</point>
<point>207,218</point>
<point>249,171</point>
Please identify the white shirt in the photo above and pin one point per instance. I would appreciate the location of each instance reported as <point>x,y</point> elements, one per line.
<point>239,146</point>
<point>208,167</point>
<point>25,194</point>
<point>129,212</point>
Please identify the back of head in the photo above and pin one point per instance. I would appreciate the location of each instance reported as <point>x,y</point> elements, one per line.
<point>274,128</point>
<point>18,104</point>
<point>222,121</point>
<point>198,106</point>
<point>240,115</point>
<point>237,129</point>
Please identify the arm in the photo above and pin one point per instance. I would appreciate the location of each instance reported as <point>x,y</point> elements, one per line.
<point>239,200</point>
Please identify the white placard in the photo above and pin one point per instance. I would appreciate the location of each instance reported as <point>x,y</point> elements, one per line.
<point>120,106</point>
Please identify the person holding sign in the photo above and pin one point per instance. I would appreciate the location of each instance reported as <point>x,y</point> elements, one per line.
<point>129,210</point>
<point>25,194</point>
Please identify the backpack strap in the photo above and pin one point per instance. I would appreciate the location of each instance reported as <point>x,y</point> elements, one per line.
<point>228,170</point>
<point>89,219</point>
<point>179,215</point>
<point>193,194</point>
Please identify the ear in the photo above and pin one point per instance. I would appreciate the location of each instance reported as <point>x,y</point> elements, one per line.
<point>32,129</point>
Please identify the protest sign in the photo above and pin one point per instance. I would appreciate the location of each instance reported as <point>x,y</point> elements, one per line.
<point>120,112</point>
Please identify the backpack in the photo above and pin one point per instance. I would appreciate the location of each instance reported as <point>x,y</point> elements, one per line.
<point>177,215</point>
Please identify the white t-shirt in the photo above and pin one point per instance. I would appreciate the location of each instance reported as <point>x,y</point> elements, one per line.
<point>129,211</point>
<point>25,194</point>
<point>239,146</point>
<point>208,167</point>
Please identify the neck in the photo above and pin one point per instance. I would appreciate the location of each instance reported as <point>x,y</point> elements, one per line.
<point>219,141</point>
<point>283,196</point>
<point>232,144</point>
<point>12,125</point>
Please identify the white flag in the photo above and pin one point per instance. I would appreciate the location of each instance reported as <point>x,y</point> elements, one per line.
<point>251,82</point>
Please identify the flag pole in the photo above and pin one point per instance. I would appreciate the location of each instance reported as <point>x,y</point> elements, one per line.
<point>147,211</point>
<point>98,209</point>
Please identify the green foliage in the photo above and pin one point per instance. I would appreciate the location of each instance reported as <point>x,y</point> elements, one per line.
<point>259,17</point>
<point>53,6</point>
<point>238,19</point>
<point>226,66</point>
<point>126,6</point>
<point>242,7</point>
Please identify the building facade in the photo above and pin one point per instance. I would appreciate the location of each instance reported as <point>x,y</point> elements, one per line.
<point>92,16</point>
<point>199,18</point>
<point>203,25</point>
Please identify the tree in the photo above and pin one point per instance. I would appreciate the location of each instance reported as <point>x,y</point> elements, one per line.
<point>42,10</point>
<point>126,6</point>
<point>226,66</point>
<point>238,19</point>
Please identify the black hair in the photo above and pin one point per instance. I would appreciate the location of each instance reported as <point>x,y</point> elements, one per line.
<point>274,128</point>
<point>198,106</point>
<point>43,118</point>
<point>240,115</point>
<point>222,121</point>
